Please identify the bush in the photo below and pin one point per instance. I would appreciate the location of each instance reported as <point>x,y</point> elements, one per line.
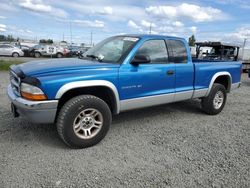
<point>5,64</point>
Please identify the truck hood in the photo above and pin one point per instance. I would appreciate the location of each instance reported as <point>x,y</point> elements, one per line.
<point>57,65</point>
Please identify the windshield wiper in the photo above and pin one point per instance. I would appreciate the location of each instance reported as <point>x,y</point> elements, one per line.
<point>94,57</point>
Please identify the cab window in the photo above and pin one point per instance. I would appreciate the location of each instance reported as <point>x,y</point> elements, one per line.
<point>179,51</point>
<point>156,50</point>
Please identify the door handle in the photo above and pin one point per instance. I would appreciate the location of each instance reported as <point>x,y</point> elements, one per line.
<point>170,72</point>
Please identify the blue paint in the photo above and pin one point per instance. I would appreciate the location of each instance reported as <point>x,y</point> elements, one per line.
<point>131,81</point>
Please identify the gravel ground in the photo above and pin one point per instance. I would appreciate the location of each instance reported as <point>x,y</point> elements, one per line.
<point>173,145</point>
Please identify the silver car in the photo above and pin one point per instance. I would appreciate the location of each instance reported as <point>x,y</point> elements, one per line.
<point>10,50</point>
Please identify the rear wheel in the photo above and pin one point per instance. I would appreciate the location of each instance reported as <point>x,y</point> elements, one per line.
<point>215,101</point>
<point>15,54</point>
<point>83,121</point>
<point>37,55</point>
<point>59,55</point>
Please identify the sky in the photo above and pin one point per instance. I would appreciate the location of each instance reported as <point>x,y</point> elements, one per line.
<point>223,20</point>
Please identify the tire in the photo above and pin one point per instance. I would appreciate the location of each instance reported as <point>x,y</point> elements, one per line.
<point>72,121</point>
<point>31,54</point>
<point>59,55</point>
<point>37,55</point>
<point>215,101</point>
<point>15,54</point>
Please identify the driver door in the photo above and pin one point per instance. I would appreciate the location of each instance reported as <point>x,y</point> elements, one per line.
<point>148,84</point>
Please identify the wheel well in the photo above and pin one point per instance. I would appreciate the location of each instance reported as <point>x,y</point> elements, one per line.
<point>15,53</point>
<point>225,81</point>
<point>102,92</point>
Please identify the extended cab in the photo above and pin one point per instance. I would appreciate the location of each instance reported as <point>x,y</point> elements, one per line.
<point>119,74</point>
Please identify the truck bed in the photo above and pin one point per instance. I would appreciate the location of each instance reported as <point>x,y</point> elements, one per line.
<point>205,70</point>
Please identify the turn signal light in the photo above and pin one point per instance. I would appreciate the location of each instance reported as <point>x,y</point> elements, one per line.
<point>33,97</point>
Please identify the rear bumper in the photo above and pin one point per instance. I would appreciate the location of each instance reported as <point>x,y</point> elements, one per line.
<point>34,111</point>
<point>21,54</point>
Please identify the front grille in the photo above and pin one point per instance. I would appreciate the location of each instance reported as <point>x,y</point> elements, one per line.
<point>15,82</point>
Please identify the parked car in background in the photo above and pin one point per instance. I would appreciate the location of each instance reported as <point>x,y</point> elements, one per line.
<point>49,50</point>
<point>26,50</point>
<point>10,50</point>
<point>84,49</point>
<point>66,52</point>
<point>76,51</point>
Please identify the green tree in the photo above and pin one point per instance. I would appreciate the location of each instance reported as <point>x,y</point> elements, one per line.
<point>191,40</point>
<point>44,41</point>
<point>10,38</point>
<point>2,38</point>
<point>50,41</point>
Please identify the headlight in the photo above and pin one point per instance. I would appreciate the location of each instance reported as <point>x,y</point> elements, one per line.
<point>32,92</point>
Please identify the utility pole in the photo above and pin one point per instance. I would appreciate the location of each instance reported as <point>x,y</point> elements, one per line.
<point>150,28</point>
<point>243,47</point>
<point>63,36</point>
<point>70,32</point>
<point>91,38</point>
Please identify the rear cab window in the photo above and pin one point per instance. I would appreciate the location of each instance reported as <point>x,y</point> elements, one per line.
<point>178,51</point>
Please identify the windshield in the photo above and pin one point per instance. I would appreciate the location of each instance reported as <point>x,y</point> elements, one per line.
<point>111,50</point>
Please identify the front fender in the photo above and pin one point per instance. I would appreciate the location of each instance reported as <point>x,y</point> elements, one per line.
<point>90,83</point>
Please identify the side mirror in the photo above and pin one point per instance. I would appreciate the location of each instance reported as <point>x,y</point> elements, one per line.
<point>140,59</point>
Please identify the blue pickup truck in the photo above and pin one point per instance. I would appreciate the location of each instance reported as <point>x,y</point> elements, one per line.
<point>119,74</point>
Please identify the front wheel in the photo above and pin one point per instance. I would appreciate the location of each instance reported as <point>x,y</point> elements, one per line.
<point>83,121</point>
<point>215,101</point>
<point>15,54</point>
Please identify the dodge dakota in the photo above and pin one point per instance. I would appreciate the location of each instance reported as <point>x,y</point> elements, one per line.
<point>119,74</point>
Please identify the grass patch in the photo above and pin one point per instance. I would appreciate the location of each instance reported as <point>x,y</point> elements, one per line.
<point>5,64</point>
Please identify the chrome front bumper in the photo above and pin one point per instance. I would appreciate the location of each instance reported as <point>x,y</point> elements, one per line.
<point>34,111</point>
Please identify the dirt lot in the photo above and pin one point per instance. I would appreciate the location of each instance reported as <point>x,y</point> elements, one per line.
<point>173,145</point>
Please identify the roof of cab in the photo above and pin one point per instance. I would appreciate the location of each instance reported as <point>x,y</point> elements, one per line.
<point>145,36</point>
